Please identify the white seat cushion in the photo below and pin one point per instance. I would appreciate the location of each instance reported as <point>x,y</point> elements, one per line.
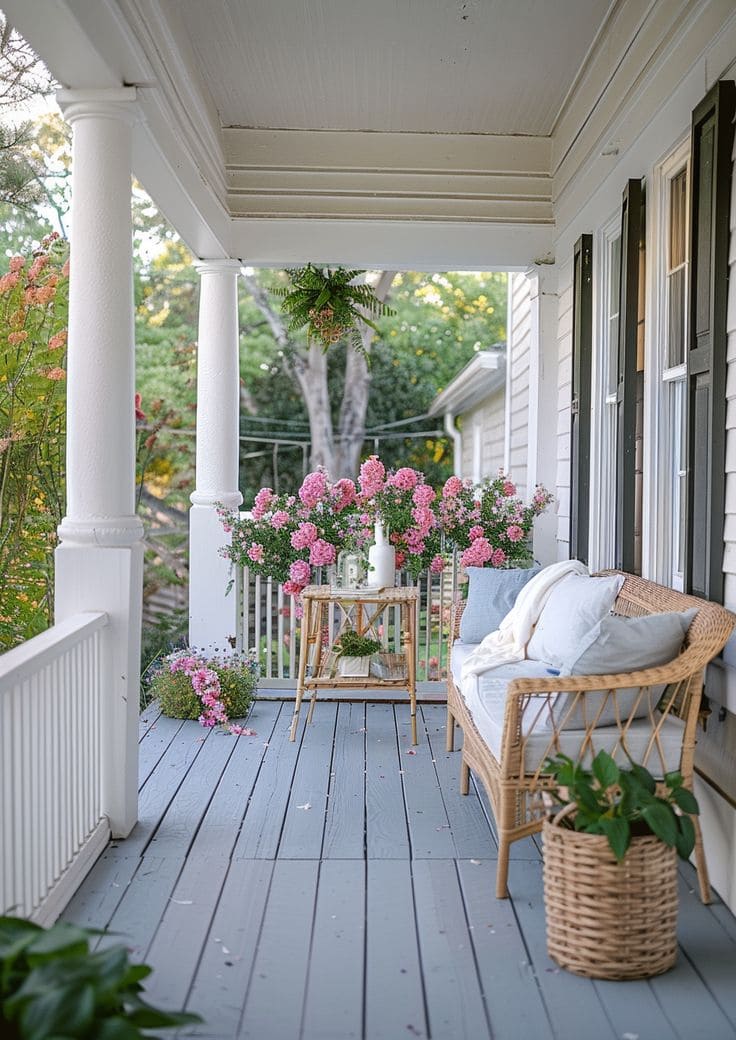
<point>516,670</point>
<point>485,697</point>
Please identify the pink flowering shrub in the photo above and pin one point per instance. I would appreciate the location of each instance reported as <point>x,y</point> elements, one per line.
<point>214,691</point>
<point>287,537</point>
<point>488,523</point>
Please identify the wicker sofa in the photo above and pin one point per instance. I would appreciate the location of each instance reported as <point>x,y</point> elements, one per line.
<point>515,730</point>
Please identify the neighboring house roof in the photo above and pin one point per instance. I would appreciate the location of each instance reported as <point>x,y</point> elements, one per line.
<point>482,376</point>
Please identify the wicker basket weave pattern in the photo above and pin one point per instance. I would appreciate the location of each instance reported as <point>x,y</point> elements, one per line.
<point>605,919</point>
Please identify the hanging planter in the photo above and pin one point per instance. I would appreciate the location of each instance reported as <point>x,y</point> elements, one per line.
<point>327,303</point>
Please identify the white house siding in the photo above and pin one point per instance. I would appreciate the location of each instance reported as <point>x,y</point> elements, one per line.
<point>489,416</point>
<point>619,143</point>
<point>564,392</point>
<point>518,359</point>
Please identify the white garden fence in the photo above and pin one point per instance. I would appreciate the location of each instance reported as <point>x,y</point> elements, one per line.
<point>51,826</point>
<point>269,622</point>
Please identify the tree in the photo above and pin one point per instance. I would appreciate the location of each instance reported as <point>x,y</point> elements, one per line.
<point>22,77</point>
<point>306,362</point>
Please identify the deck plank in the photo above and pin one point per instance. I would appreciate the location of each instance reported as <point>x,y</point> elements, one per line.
<point>183,928</point>
<point>264,817</point>
<point>570,999</point>
<point>429,826</point>
<point>154,744</point>
<point>471,833</point>
<point>513,1000</point>
<point>345,823</point>
<point>387,834</point>
<point>304,822</point>
<point>221,981</point>
<point>274,1002</point>
<point>333,1008</point>
<point>454,1002</point>
<point>223,819</point>
<point>394,994</point>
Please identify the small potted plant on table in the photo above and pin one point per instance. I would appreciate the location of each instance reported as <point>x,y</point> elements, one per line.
<point>354,654</point>
<point>610,867</point>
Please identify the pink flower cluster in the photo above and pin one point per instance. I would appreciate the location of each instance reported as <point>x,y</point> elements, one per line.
<point>206,684</point>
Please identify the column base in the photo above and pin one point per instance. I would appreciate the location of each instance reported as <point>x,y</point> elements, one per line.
<point>110,578</point>
<point>212,610</point>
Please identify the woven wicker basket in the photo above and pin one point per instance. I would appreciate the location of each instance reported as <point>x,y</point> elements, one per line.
<point>605,919</point>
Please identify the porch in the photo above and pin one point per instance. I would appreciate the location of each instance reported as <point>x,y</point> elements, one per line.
<point>342,887</point>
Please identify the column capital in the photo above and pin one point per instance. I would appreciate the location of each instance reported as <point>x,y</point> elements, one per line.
<point>111,103</point>
<point>222,265</point>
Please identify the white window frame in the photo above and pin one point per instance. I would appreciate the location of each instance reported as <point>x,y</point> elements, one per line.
<point>659,493</point>
<point>602,545</point>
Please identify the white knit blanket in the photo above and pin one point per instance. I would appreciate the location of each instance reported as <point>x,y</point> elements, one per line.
<point>508,643</point>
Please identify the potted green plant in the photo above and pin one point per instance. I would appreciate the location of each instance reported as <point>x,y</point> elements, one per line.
<point>610,866</point>
<point>52,985</point>
<point>330,303</point>
<point>354,654</point>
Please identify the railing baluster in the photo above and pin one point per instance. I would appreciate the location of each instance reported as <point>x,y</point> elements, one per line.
<point>280,632</point>
<point>50,693</point>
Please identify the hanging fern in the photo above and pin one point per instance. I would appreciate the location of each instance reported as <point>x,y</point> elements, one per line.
<point>329,305</point>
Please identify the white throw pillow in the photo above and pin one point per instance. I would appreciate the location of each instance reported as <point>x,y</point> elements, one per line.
<point>574,606</point>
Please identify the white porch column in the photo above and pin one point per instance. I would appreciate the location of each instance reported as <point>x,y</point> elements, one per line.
<point>211,612</point>
<point>99,562</point>
<point>543,365</point>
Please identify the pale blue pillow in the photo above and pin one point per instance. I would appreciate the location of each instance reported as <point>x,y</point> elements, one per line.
<point>491,595</point>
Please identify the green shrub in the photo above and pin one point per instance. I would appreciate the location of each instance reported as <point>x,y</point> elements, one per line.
<point>172,684</point>
<point>52,987</point>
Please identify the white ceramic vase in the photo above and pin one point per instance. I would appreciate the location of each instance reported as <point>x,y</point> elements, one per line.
<point>381,560</point>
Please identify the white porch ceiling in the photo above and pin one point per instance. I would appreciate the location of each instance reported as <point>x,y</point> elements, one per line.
<point>419,66</point>
<point>425,134</point>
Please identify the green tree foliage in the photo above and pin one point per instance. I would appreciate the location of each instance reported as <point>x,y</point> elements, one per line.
<point>33,317</point>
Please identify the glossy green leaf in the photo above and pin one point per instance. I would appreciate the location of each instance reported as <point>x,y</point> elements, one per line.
<point>605,770</point>
<point>618,832</point>
<point>685,800</point>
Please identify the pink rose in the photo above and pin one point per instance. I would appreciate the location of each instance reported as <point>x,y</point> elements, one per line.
<point>423,495</point>
<point>437,565</point>
<point>509,488</point>
<point>255,552</point>
<point>279,519</point>
<point>405,478</point>
<point>321,553</point>
<point>453,487</point>
<point>498,558</point>
<point>372,475</point>
<point>478,554</point>
<point>300,572</point>
<point>514,533</point>
<point>314,488</point>
<point>344,492</point>
<point>475,532</point>
<point>304,536</point>
<point>262,502</point>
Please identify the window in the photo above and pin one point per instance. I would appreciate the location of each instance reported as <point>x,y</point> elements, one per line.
<point>674,372</point>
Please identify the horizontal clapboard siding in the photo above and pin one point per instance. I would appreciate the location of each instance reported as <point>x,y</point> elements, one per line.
<point>490,415</point>
<point>519,348</point>
<point>564,390</point>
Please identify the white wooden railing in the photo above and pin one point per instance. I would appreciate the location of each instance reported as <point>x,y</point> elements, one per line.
<point>51,823</point>
<point>268,621</point>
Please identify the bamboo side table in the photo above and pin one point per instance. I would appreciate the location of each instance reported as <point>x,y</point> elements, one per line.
<point>362,610</point>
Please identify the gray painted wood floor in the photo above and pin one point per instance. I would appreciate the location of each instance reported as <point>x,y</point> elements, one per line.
<point>340,887</point>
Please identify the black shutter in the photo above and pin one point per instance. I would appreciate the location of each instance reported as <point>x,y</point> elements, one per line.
<point>582,337</point>
<point>711,143</point>
<point>632,228</point>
